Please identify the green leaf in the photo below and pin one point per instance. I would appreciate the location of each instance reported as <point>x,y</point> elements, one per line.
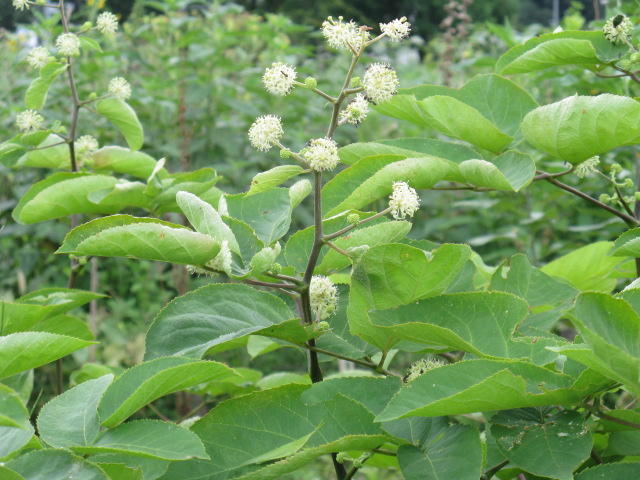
<point>148,438</point>
<point>198,183</point>
<point>63,194</point>
<point>7,474</point>
<point>620,471</point>
<point>627,244</point>
<point>510,171</point>
<point>212,315</point>
<point>90,43</point>
<point>487,385</point>
<point>152,468</point>
<point>71,419</point>
<point>36,95</point>
<point>455,453</point>
<point>15,428</point>
<point>124,118</point>
<point>268,213</point>
<point>119,471</point>
<point>26,350</point>
<point>548,447</point>
<point>610,329</point>
<point>56,157</point>
<point>284,423</point>
<point>579,127</point>
<point>123,160</point>
<point>367,181</point>
<point>142,384</point>
<point>586,49</point>
<point>144,238</point>
<point>55,465</point>
<point>270,179</point>
<point>123,194</point>
<point>587,268</point>
<point>482,323</point>
<point>206,220</point>
<point>299,191</point>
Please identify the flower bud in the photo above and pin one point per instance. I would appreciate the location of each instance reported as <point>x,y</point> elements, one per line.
<point>86,26</point>
<point>353,218</point>
<point>285,153</point>
<point>311,82</point>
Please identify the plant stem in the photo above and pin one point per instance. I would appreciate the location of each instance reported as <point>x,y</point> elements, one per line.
<point>354,225</point>
<point>336,248</point>
<point>600,414</point>
<point>364,363</point>
<point>495,469</point>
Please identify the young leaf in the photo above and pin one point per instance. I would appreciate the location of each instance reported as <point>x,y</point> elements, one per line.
<point>270,179</point>
<point>627,244</point>
<point>124,118</point>
<point>71,419</point>
<point>36,95</point>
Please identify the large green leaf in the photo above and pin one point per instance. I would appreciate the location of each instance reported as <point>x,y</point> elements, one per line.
<point>268,213</point>
<point>579,127</point>
<point>453,453</point>
<point>199,182</point>
<point>26,350</point>
<point>587,268</point>
<point>487,385</point>
<point>36,95</point>
<point>587,49</point>
<point>610,329</point>
<point>124,118</point>
<point>627,244</point>
<point>212,315</point>
<point>510,171</point>
<point>365,182</point>
<point>56,156</point>
<point>15,427</point>
<point>148,438</point>
<point>55,465</point>
<point>71,419</point>
<point>123,160</point>
<point>143,383</point>
<point>390,275</point>
<point>482,323</point>
<point>287,427</point>
<point>270,179</point>
<point>144,238</point>
<point>63,194</point>
<point>7,474</point>
<point>619,471</point>
<point>546,446</point>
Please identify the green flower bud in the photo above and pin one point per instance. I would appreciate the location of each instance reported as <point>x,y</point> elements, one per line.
<point>41,2</point>
<point>341,457</point>
<point>311,82</point>
<point>322,327</point>
<point>86,26</point>
<point>285,153</point>
<point>276,268</point>
<point>353,218</point>
<point>616,168</point>
<point>356,82</point>
<point>628,183</point>
<point>604,198</point>
<point>93,96</point>
<point>637,196</point>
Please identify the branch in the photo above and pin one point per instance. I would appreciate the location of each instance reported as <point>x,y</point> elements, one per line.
<point>605,416</point>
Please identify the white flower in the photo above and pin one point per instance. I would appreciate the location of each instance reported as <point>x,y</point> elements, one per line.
<point>586,167</point>
<point>356,111</point>
<point>21,4</point>
<point>68,45</point>
<point>279,78</point>
<point>39,57</point>
<point>397,30</point>
<point>86,144</point>
<point>323,295</point>
<point>29,121</point>
<point>403,201</point>
<point>120,88</point>
<point>107,23</point>
<point>222,262</point>
<point>618,28</point>
<point>321,154</point>
<point>340,35</point>
<point>265,132</point>
<point>380,82</point>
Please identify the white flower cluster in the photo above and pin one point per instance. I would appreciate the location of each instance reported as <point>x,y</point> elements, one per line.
<point>68,44</point>
<point>324,297</point>
<point>380,82</point>
<point>588,166</point>
<point>356,111</point>
<point>120,88</point>
<point>86,145</point>
<point>404,201</point>
<point>29,121</point>
<point>618,28</point>
<point>279,78</point>
<point>321,154</point>
<point>21,4</point>
<point>397,30</point>
<point>422,366</point>
<point>39,57</point>
<point>265,132</point>
<point>340,35</point>
<point>107,23</point>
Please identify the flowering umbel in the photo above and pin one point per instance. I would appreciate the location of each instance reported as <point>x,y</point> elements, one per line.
<point>29,121</point>
<point>279,78</point>
<point>21,4</point>
<point>618,28</point>
<point>340,35</point>
<point>356,111</point>
<point>397,30</point>
<point>86,145</point>
<point>39,57</point>
<point>120,88</point>
<point>421,367</point>
<point>107,23</point>
<point>588,166</point>
<point>265,132</point>
<point>321,154</point>
<point>68,44</point>
<point>380,82</point>
<point>323,295</point>
<point>404,201</point>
